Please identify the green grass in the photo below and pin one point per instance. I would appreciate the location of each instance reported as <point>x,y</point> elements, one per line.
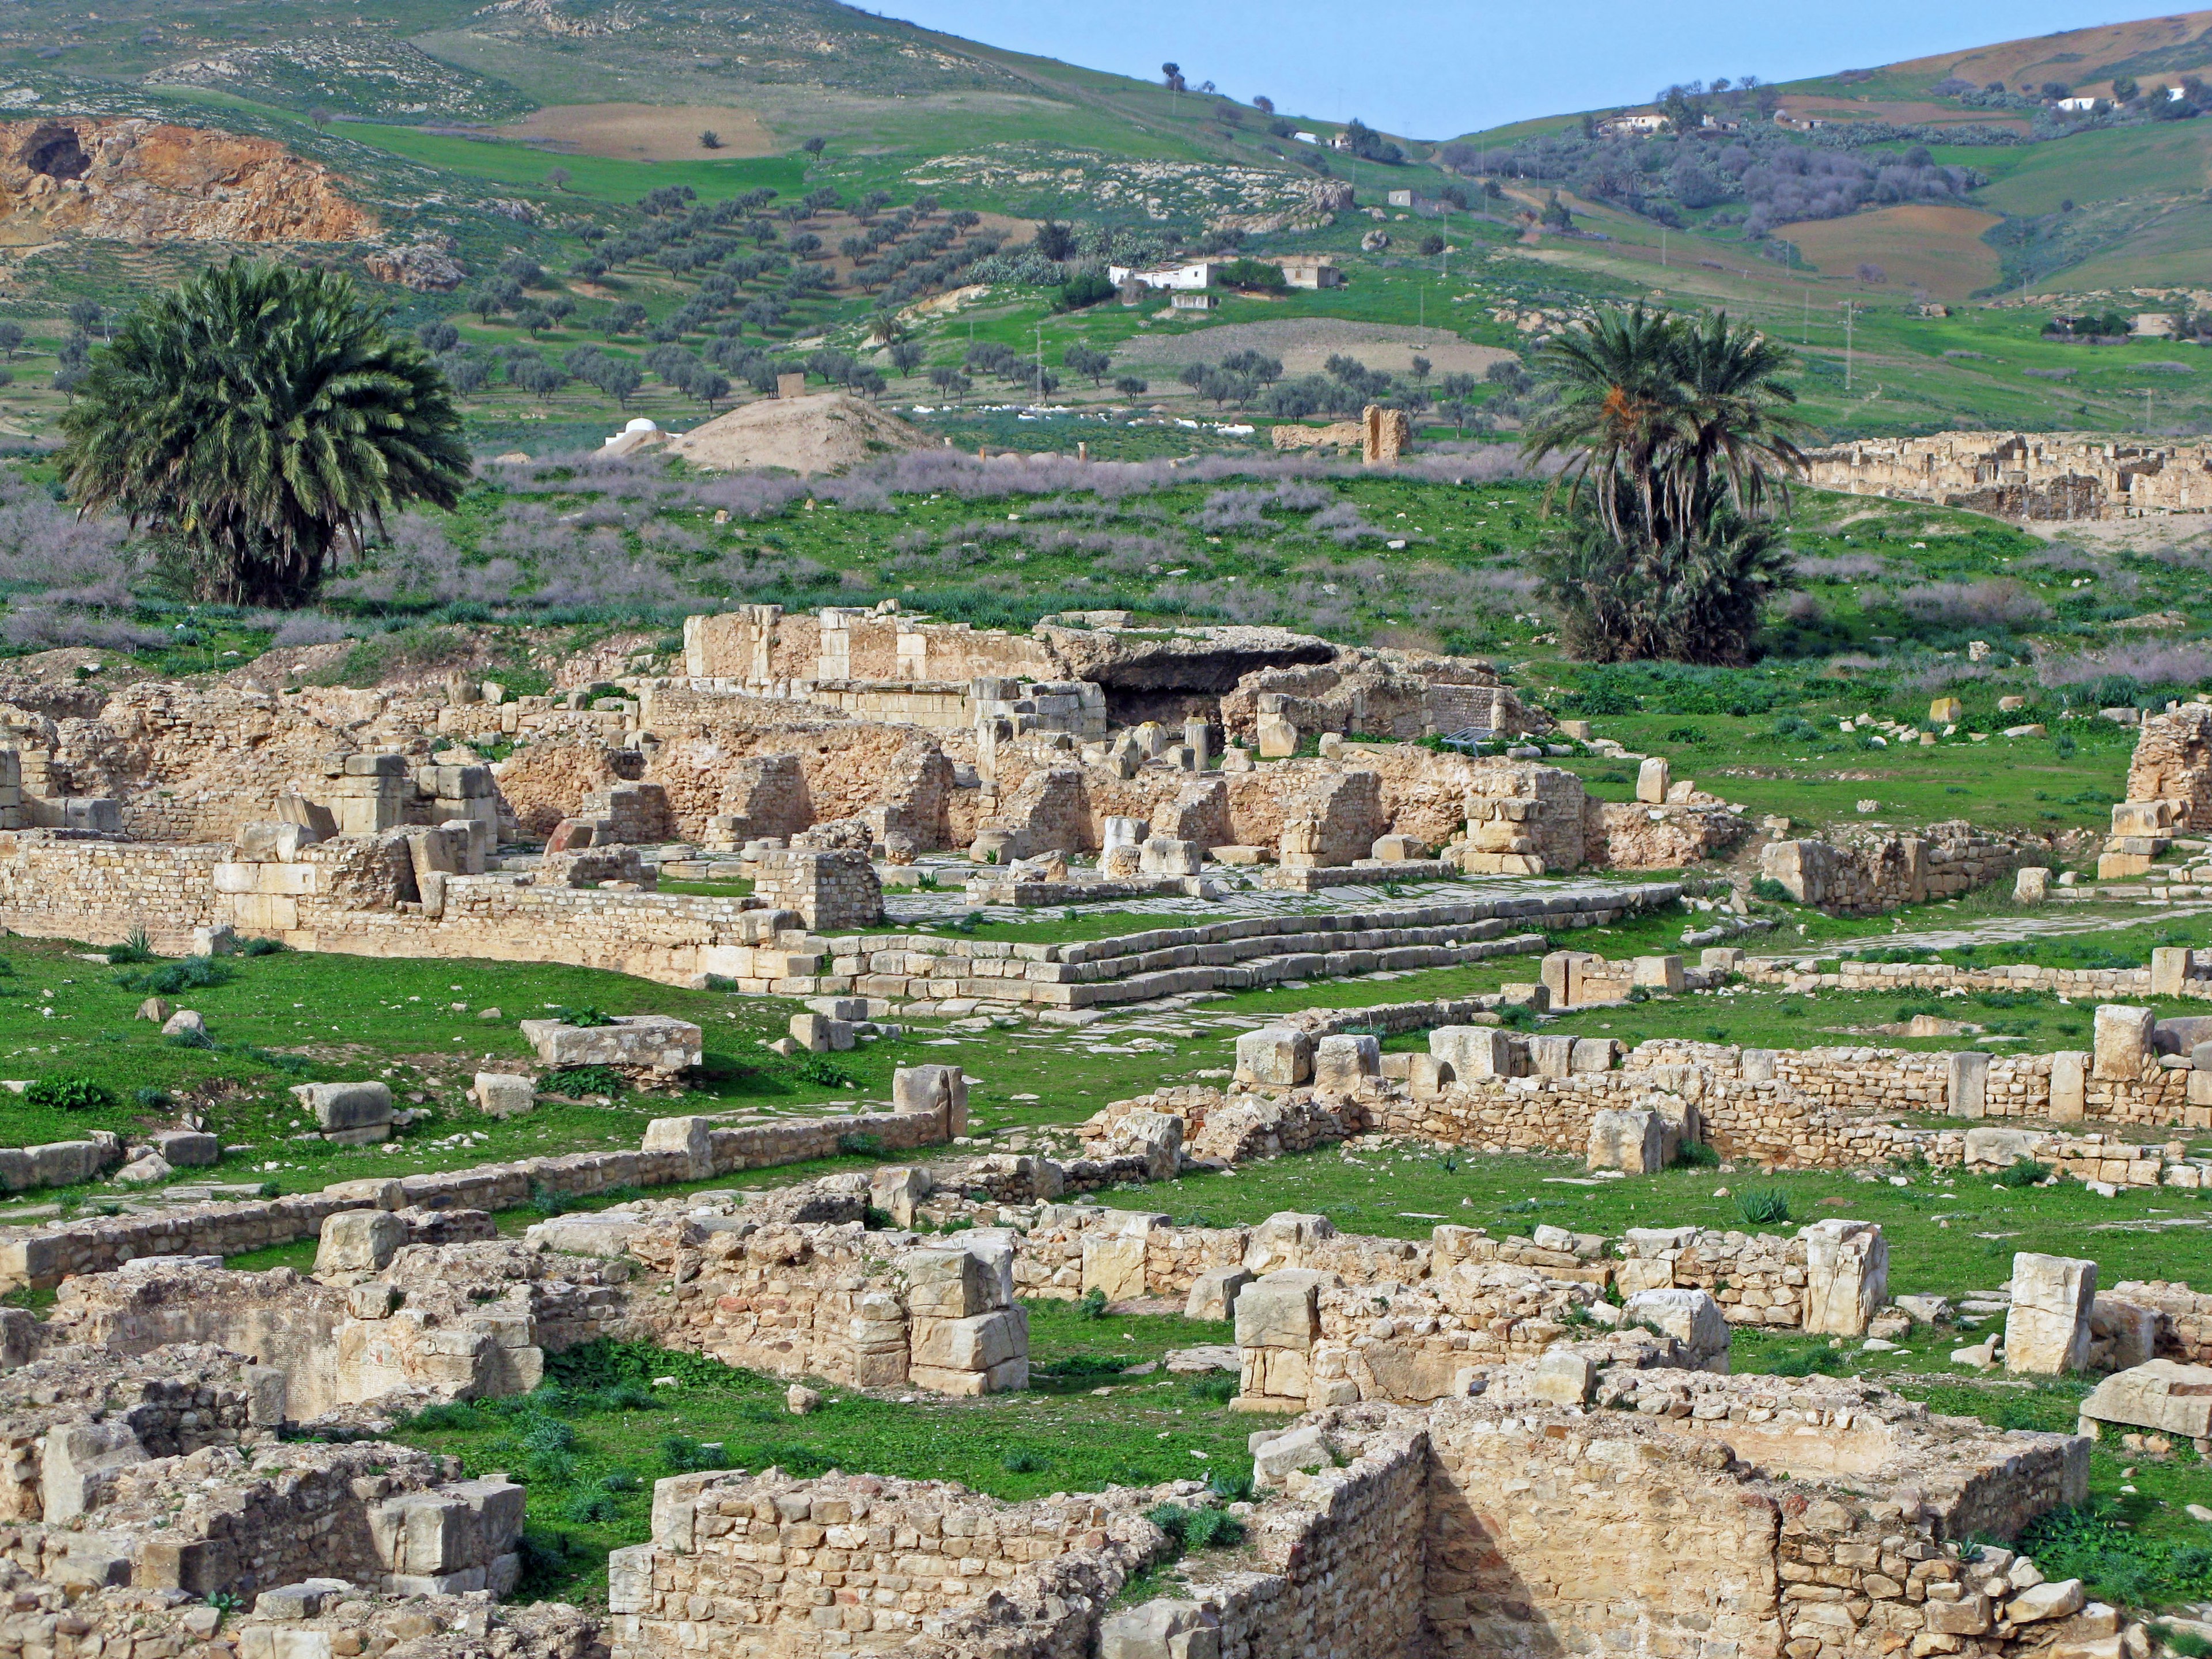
<point>270,1026</point>
<point>1948,1234</point>
<point>1083,1425</point>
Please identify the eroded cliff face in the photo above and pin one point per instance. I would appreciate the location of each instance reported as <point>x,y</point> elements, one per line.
<point>130,179</point>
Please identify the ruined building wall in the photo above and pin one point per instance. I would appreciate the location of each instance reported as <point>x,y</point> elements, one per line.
<point>847,1564</point>
<point>2173,762</point>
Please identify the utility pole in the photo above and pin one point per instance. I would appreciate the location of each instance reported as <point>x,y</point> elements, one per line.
<point>1040,361</point>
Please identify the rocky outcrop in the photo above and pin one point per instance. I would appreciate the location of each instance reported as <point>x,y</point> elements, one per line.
<point>424,267</point>
<point>136,181</point>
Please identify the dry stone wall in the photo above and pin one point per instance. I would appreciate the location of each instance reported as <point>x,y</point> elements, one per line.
<point>1882,872</point>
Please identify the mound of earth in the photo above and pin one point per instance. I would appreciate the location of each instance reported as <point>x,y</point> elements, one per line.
<point>823,432</point>
<point>136,181</point>
<point>1303,345</point>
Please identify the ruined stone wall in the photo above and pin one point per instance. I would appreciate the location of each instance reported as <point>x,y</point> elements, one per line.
<point>2023,475</point>
<point>54,887</point>
<point>2185,1318</point>
<point>2173,762</point>
<point>847,1564</point>
<point>1337,1571</point>
<point>1883,872</point>
<point>847,768</point>
<point>692,1149</point>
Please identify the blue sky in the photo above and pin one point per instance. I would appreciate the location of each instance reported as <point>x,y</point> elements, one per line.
<point>1434,68</point>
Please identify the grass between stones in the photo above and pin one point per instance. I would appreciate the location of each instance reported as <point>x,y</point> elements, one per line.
<point>591,1442</point>
<point>1950,1234</point>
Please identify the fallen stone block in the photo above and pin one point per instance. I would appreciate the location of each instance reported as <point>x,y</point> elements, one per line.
<point>346,1107</point>
<point>503,1093</point>
<point>1214,1293</point>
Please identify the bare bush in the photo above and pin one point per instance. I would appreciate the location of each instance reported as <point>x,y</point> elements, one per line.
<point>2147,662</point>
<point>1999,602</point>
<point>1843,567</point>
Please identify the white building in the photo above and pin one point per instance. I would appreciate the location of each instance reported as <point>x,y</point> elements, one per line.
<point>1182,274</point>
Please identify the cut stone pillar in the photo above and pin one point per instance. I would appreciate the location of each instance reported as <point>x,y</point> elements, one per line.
<point>1634,1141</point>
<point>1846,1276</point>
<point>1967,1084</point>
<point>2047,1331</point>
<point>2122,1043</point>
<point>2069,1071</point>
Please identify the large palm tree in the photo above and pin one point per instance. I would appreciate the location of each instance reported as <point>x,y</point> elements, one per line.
<point>1676,433</point>
<point>257,417</point>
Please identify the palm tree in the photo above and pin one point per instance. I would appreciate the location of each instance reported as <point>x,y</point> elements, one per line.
<point>1676,433</point>
<point>257,418</point>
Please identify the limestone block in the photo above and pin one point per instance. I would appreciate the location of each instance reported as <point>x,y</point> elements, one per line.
<point>1161,1629</point>
<point>1279,1455</point>
<point>1284,1239</point>
<point>307,1599</point>
<point>1564,1378</point>
<point>1214,1293</point>
<point>1426,1075</point>
<point>2163,1394</point>
<point>2122,1043</point>
<point>949,1284</point>
<point>1651,781</point>
<point>1474,1051</point>
<point>977,1343</point>
<point>359,1242</point>
<point>810,1032</point>
<point>1966,1083</point>
<point>898,1191</point>
<point>1692,1318</point>
<point>66,1163</point>
<point>2052,1599</point>
<point>188,1149</point>
<point>1398,849</point>
<point>1946,711</point>
<point>2122,867</point>
<point>75,1461</point>
<point>2169,970</point>
<point>2124,1333</point>
<point>1275,1055</point>
<point>1595,1054</point>
<point>2047,1331</point>
<point>2069,1070</point>
<point>635,1043</point>
<point>1155,1137</point>
<point>1846,1276</point>
<point>1281,1309</point>
<point>1552,1055</point>
<point>1342,1064</point>
<point>2031,884</point>
<point>691,1136</point>
<point>1999,1148</point>
<point>1124,832</point>
<point>343,1106</point>
<point>1631,1140</point>
<point>1165,856</point>
<point>1659,974</point>
<point>504,1094</point>
<point>1278,738</point>
<point>1114,1264</point>
<point>939,1089</point>
<point>1724,958</point>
